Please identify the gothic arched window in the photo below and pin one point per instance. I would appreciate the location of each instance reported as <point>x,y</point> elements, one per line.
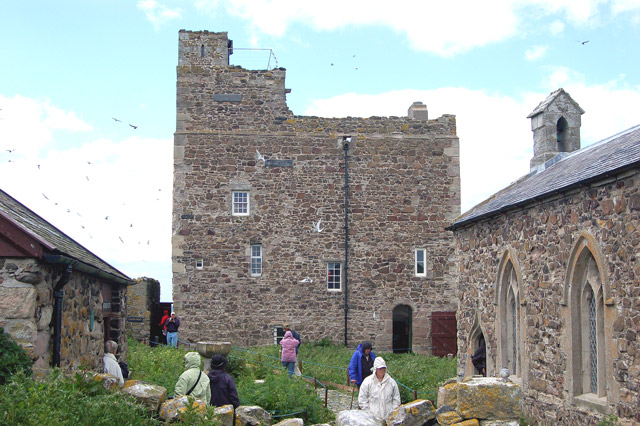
<point>508,319</point>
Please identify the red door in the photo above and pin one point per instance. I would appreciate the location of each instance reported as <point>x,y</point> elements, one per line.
<point>444,331</point>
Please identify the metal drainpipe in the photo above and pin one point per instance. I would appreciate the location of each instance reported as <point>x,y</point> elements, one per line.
<point>345,144</point>
<point>58,295</point>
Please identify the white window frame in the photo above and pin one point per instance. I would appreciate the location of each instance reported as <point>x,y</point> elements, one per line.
<point>258,259</point>
<point>329,270</point>
<point>199,263</point>
<point>416,262</point>
<point>278,334</point>
<point>235,205</point>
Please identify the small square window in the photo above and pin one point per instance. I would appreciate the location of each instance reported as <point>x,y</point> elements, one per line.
<point>199,263</point>
<point>420,268</point>
<point>240,203</point>
<point>256,260</point>
<point>334,276</point>
<point>278,334</point>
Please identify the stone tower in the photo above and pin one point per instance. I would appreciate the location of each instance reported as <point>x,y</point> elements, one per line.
<point>259,212</point>
<point>556,127</point>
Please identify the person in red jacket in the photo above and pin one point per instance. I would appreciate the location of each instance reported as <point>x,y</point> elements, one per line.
<point>164,319</point>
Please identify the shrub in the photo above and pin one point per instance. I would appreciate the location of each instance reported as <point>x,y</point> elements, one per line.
<point>61,400</point>
<point>160,365</point>
<point>13,358</point>
<point>284,398</point>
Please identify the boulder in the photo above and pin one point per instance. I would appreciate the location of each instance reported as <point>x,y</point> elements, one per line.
<point>109,381</point>
<point>146,393</point>
<point>488,398</point>
<point>470,422</point>
<point>171,409</point>
<point>499,423</point>
<point>414,413</point>
<point>358,418</point>
<point>224,415</point>
<point>252,415</point>
<point>448,394</point>
<point>447,416</point>
<point>290,422</point>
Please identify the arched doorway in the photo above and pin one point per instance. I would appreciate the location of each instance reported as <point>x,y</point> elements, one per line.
<point>402,325</point>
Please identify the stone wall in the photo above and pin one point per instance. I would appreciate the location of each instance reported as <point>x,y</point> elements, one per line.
<point>26,312</point>
<point>141,298</point>
<point>540,239</point>
<point>404,188</point>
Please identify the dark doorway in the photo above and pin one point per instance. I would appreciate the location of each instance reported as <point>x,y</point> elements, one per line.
<point>402,324</point>
<point>444,332</point>
<point>155,333</point>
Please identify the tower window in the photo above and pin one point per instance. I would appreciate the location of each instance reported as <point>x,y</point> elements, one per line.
<point>202,51</point>
<point>562,128</point>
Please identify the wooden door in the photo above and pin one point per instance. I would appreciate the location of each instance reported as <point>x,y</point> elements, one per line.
<point>444,331</point>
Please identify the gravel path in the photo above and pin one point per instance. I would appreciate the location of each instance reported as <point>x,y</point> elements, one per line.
<point>337,400</point>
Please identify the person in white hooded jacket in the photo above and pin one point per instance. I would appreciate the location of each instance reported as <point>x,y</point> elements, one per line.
<point>379,393</point>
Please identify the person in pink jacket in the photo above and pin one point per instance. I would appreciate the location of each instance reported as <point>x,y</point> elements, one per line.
<point>289,345</point>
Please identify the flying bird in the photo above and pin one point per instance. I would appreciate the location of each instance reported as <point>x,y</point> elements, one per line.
<point>106,218</point>
<point>583,42</point>
<point>134,127</point>
<point>121,240</point>
<point>115,119</point>
<point>306,280</point>
<point>316,226</point>
<point>45,196</point>
<point>259,156</point>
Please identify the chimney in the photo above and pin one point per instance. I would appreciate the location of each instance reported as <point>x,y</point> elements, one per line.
<point>418,111</point>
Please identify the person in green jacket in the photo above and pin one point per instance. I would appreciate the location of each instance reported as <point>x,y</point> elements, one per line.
<point>193,376</point>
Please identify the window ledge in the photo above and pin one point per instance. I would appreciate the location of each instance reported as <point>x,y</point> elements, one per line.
<point>592,402</point>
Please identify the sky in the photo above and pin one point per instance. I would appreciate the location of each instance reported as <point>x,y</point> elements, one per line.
<point>88,91</point>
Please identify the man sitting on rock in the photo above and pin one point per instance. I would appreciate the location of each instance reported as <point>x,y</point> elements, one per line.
<point>110,362</point>
<point>379,393</point>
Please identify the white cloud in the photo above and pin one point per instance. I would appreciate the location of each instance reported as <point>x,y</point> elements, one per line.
<point>444,28</point>
<point>27,125</point>
<point>496,143</point>
<point>556,27</point>
<point>157,13</point>
<point>535,52</point>
<point>75,189</point>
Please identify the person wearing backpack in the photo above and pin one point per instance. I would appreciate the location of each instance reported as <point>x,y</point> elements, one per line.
<point>193,381</point>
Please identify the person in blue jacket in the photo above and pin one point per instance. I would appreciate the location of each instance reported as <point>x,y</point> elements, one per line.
<point>361,363</point>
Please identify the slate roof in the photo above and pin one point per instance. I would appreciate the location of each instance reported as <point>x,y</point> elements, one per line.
<point>607,157</point>
<point>545,104</point>
<point>55,241</point>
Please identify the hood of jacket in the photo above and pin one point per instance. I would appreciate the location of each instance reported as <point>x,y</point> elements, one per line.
<point>288,335</point>
<point>192,360</point>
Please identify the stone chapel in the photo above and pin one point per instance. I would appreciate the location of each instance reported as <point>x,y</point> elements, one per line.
<point>335,226</point>
<point>549,274</point>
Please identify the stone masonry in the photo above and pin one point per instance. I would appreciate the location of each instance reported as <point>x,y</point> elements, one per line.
<point>26,311</point>
<point>141,298</point>
<point>404,188</point>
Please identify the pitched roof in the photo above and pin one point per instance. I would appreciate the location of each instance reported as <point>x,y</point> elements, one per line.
<point>609,156</point>
<point>56,242</point>
<point>545,104</point>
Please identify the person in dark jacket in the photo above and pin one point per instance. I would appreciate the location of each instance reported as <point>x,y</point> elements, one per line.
<point>361,363</point>
<point>223,388</point>
<point>479,358</point>
<point>172,325</point>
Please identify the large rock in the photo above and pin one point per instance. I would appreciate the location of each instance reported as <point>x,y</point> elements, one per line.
<point>252,415</point>
<point>150,395</point>
<point>290,422</point>
<point>109,381</point>
<point>358,418</point>
<point>448,394</point>
<point>224,415</point>
<point>415,413</point>
<point>447,416</point>
<point>470,422</point>
<point>171,409</point>
<point>488,398</point>
<point>499,423</point>
<point>18,302</point>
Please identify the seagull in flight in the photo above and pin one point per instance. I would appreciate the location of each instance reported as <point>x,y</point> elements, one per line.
<point>583,42</point>
<point>306,280</point>
<point>134,127</point>
<point>115,119</point>
<point>316,226</point>
<point>259,156</point>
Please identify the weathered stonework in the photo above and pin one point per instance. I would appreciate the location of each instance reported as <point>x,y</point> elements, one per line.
<point>26,312</point>
<point>542,241</point>
<point>141,299</point>
<point>404,188</point>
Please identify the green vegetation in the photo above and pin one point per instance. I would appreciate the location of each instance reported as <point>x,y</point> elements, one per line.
<point>328,363</point>
<point>13,358</point>
<point>61,400</point>
<point>610,420</point>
